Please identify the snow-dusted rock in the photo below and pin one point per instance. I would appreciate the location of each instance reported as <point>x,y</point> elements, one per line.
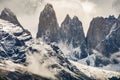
<point>11,45</point>
<point>8,15</point>
<point>51,58</point>
<point>12,37</point>
<point>97,73</point>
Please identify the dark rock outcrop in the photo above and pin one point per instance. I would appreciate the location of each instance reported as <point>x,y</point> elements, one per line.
<point>118,18</point>
<point>111,42</point>
<point>104,36</point>
<point>48,25</point>
<point>8,15</point>
<point>71,32</point>
<point>8,75</point>
<point>99,29</point>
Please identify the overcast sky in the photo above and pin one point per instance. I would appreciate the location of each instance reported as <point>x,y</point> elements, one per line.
<point>28,11</point>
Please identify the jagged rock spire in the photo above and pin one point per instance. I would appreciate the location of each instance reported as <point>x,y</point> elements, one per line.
<point>48,24</point>
<point>67,19</point>
<point>71,32</point>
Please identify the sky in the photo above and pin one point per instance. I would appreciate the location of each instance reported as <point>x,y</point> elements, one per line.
<point>28,11</point>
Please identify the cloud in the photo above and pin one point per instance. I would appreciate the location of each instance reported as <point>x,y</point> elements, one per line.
<point>21,6</point>
<point>36,67</point>
<point>116,6</point>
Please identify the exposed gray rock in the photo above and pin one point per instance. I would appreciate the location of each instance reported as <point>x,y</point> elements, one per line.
<point>99,29</point>
<point>119,17</point>
<point>48,25</point>
<point>8,15</point>
<point>104,36</point>
<point>71,32</point>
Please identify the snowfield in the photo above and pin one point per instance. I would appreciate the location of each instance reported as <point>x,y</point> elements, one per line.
<point>96,73</point>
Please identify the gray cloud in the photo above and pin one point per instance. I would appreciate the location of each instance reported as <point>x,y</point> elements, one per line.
<point>21,6</point>
<point>116,6</point>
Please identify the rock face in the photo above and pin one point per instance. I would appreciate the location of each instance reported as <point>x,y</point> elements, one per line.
<point>111,42</point>
<point>99,29</point>
<point>48,25</point>
<point>8,15</point>
<point>103,36</point>
<point>71,33</point>
<point>6,75</point>
<point>119,17</point>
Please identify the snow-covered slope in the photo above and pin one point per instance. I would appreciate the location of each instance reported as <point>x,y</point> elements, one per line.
<point>47,61</point>
<point>12,41</point>
<point>96,73</point>
<point>51,58</point>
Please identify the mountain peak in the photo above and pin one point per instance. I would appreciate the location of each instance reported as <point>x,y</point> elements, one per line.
<point>75,18</point>
<point>8,12</point>
<point>48,6</point>
<point>8,15</point>
<point>76,22</point>
<point>48,24</point>
<point>67,19</point>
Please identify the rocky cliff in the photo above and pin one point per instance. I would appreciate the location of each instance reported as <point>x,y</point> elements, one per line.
<point>103,36</point>
<point>71,32</point>
<point>48,25</point>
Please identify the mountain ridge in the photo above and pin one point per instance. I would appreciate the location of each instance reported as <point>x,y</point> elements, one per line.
<point>16,41</point>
